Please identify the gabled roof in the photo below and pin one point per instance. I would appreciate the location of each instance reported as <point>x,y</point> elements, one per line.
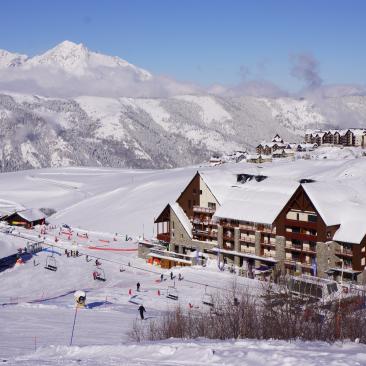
<point>218,182</point>
<point>31,214</point>
<point>258,202</point>
<point>182,218</point>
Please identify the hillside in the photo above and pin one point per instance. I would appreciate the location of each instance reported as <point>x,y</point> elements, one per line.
<point>74,107</point>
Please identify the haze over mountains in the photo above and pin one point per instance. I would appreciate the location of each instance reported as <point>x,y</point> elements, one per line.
<point>71,106</point>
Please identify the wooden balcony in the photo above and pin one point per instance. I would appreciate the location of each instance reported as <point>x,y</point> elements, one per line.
<point>203,210</point>
<point>198,221</point>
<point>303,224</point>
<point>247,227</point>
<point>293,263</point>
<point>228,238</point>
<point>269,244</point>
<point>269,230</point>
<point>163,237</point>
<point>204,233</point>
<point>268,255</point>
<point>344,252</point>
<point>228,225</point>
<point>247,240</point>
<point>298,236</point>
<point>247,251</point>
<point>300,248</point>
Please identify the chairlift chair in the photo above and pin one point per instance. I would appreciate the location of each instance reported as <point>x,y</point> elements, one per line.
<point>207,300</point>
<point>172,293</point>
<point>99,274</point>
<point>51,263</point>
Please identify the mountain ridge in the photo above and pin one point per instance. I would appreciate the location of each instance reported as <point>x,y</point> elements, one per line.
<point>71,106</point>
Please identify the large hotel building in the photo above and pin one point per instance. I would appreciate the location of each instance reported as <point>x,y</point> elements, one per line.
<point>273,224</point>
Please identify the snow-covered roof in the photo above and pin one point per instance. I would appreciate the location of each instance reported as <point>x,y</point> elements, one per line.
<point>258,202</point>
<point>352,230</point>
<point>182,218</point>
<point>31,214</point>
<point>218,182</point>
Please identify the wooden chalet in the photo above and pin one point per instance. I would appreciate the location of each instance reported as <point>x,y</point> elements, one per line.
<point>27,218</point>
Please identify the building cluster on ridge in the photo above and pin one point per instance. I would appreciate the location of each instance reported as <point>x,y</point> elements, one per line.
<point>263,224</point>
<point>350,137</point>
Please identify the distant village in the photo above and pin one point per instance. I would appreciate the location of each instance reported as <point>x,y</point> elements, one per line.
<point>277,148</point>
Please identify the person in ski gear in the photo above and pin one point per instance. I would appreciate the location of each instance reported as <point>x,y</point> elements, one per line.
<point>180,277</point>
<point>171,275</point>
<point>138,286</point>
<point>161,278</point>
<point>141,309</point>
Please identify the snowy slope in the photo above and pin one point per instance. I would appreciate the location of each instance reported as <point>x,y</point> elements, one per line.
<point>37,309</point>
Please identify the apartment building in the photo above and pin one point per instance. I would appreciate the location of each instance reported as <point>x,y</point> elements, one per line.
<point>259,223</point>
<point>349,137</point>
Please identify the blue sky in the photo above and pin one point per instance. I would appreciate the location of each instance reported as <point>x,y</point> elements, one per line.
<point>204,41</point>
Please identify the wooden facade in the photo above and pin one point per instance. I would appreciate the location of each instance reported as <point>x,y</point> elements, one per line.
<point>17,220</point>
<point>190,196</point>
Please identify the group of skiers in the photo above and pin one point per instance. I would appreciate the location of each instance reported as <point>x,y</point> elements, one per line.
<point>72,253</point>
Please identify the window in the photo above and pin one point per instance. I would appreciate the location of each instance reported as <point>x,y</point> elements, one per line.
<point>212,205</point>
<point>295,229</point>
<point>312,218</point>
<point>200,191</point>
<point>173,224</point>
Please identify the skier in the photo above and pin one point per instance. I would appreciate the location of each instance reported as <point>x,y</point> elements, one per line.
<point>171,275</point>
<point>180,278</point>
<point>138,287</point>
<point>141,309</point>
<point>161,278</point>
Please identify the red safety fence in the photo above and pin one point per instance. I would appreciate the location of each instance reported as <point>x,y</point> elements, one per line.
<point>113,249</point>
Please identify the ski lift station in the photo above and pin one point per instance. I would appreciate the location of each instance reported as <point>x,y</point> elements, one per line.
<point>312,287</point>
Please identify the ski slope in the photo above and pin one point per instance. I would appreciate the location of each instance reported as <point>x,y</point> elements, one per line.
<point>105,207</point>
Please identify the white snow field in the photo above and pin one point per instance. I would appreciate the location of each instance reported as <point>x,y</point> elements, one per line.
<point>102,206</point>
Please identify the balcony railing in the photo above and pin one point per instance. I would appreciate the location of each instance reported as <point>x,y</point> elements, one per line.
<point>298,223</point>
<point>299,236</point>
<point>228,225</point>
<point>198,221</point>
<point>247,227</point>
<point>294,263</point>
<point>300,248</point>
<point>228,238</point>
<point>204,233</point>
<point>269,230</point>
<point>163,237</point>
<point>268,255</point>
<point>247,251</point>
<point>345,252</point>
<point>269,243</point>
<point>247,240</point>
<point>203,209</point>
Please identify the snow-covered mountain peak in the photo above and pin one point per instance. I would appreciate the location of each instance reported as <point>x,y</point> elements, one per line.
<point>77,59</point>
<point>69,56</point>
<point>9,59</point>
